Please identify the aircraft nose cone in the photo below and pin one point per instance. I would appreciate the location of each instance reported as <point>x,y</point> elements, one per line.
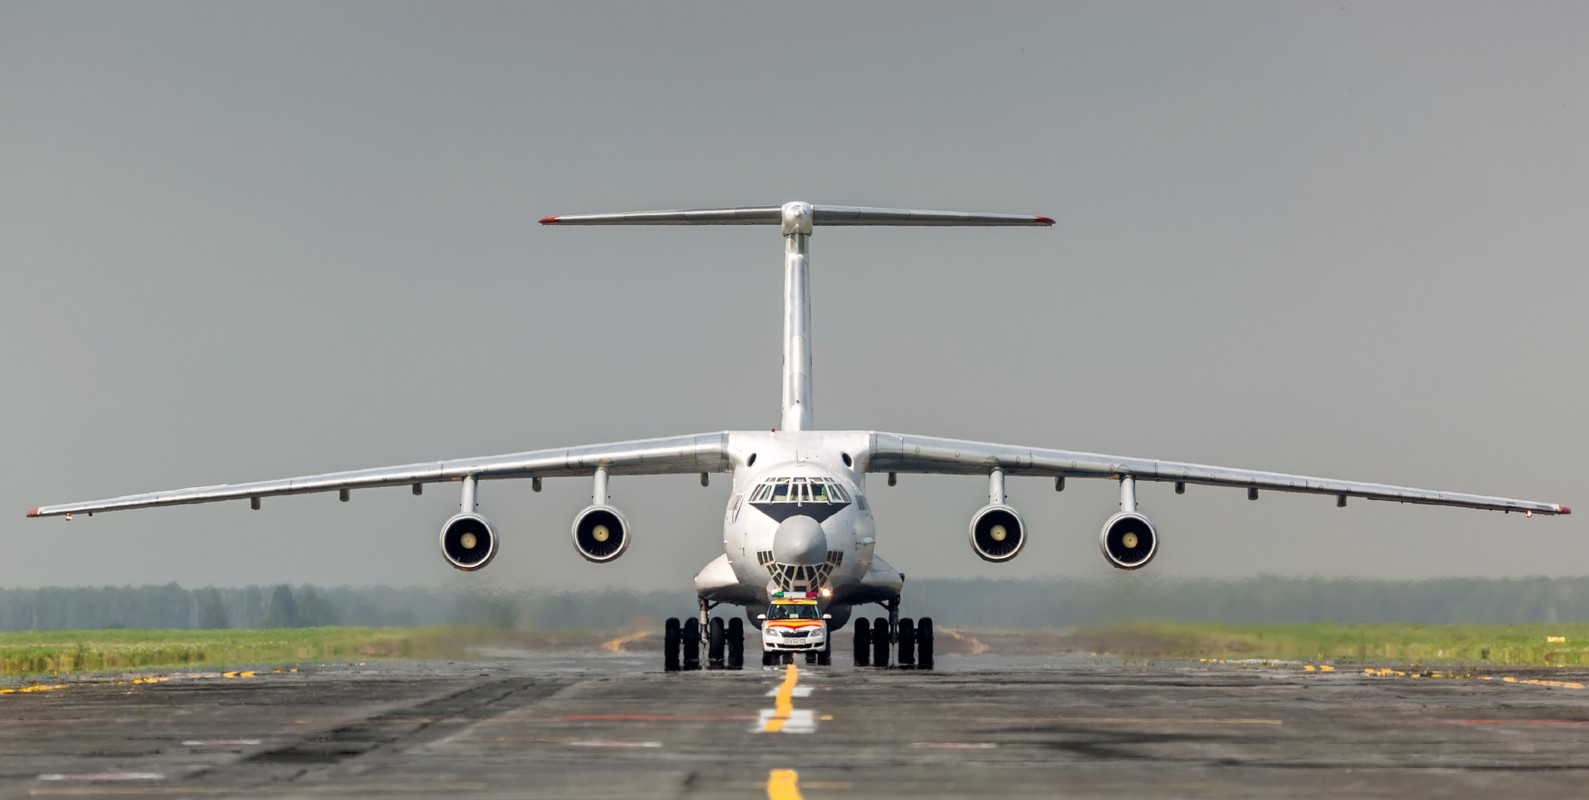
<point>799,540</point>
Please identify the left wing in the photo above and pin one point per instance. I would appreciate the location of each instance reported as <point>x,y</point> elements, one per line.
<point>893,452</point>
<point>674,455</point>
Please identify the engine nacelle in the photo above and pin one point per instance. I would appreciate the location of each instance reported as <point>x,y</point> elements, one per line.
<point>1128,541</point>
<point>997,533</point>
<point>601,533</point>
<point>468,542</point>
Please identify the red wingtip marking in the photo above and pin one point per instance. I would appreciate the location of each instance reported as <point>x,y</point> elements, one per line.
<point>1564,510</point>
<point>1045,220</point>
<point>549,220</point>
<point>33,513</point>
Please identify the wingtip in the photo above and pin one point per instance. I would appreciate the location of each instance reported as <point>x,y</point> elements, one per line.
<point>1045,221</point>
<point>33,512</point>
<point>550,220</point>
<point>1564,510</point>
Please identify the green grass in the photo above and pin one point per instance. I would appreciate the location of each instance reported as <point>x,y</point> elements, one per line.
<point>64,652</point>
<point>1492,645</point>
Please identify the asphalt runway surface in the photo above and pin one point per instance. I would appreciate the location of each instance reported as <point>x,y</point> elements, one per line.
<point>603,725</point>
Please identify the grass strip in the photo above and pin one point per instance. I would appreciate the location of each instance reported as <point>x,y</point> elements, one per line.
<point>1535,645</point>
<point>67,652</point>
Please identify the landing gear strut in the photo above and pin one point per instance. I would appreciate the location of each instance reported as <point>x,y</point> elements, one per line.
<point>910,641</point>
<point>682,643</point>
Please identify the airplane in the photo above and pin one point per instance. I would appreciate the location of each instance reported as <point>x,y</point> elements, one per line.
<point>798,519</point>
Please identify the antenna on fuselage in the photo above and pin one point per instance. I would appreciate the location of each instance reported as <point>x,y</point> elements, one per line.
<point>797,219</point>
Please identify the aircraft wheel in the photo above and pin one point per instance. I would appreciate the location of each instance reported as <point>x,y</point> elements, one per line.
<point>811,657</point>
<point>863,642</point>
<point>788,658</point>
<point>736,643</point>
<point>716,642</point>
<point>924,643</point>
<point>907,644</point>
<point>670,645</point>
<point>690,637</point>
<point>880,643</point>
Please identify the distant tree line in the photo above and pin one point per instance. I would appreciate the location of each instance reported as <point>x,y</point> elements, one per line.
<point>1033,603</point>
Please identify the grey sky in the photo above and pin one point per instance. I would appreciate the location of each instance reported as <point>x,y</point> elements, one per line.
<point>247,241</point>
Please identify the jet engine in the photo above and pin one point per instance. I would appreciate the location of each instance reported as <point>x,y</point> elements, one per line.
<point>601,533</point>
<point>997,533</point>
<point>1128,541</point>
<point>468,542</point>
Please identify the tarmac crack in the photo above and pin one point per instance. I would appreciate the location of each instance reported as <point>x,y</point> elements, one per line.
<point>403,727</point>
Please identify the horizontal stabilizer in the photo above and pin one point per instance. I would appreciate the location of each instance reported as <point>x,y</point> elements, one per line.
<point>820,215</point>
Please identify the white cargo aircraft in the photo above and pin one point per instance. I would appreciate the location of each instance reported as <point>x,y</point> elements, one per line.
<point>797,517</point>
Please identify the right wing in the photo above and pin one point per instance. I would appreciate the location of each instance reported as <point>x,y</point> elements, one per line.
<point>675,455</point>
<point>894,452</point>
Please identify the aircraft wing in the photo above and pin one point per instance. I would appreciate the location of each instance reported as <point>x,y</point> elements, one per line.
<point>666,456</point>
<point>892,452</point>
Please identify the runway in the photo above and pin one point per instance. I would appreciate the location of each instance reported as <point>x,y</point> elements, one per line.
<point>602,725</point>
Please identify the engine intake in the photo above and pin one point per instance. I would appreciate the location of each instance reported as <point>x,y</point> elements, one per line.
<point>601,533</point>
<point>1128,541</point>
<point>997,533</point>
<point>468,542</point>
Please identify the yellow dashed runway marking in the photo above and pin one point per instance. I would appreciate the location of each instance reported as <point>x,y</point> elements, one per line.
<point>783,784</point>
<point>977,647</point>
<point>782,717</point>
<point>30,689</point>
<point>617,645</point>
<point>1396,673</point>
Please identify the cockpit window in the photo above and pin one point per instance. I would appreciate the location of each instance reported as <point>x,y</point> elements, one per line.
<point>800,490</point>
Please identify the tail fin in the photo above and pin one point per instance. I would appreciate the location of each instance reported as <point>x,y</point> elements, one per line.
<point>797,220</point>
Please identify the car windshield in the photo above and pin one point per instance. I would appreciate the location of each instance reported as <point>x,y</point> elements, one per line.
<point>793,611</point>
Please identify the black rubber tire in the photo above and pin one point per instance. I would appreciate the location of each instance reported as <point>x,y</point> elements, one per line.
<point>716,643</point>
<point>825,656</point>
<point>924,643</point>
<point>880,643</point>
<point>670,645</point>
<point>906,659</point>
<point>766,658</point>
<point>736,643</point>
<point>811,657</point>
<point>691,639</point>
<point>863,642</point>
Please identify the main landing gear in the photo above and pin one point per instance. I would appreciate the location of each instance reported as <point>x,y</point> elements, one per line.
<point>874,639</point>
<point>724,643</point>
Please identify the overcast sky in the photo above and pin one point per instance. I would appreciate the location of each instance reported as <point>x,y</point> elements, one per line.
<point>249,241</point>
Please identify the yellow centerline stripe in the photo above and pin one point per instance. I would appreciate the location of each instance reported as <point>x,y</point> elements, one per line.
<point>783,784</point>
<point>783,705</point>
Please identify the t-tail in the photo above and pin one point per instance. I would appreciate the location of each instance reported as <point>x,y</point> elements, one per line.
<point>797,220</point>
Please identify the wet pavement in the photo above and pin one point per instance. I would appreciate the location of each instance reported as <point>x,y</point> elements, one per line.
<point>603,725</point>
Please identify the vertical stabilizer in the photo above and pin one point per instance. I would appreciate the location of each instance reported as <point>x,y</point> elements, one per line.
<point>796,317</point>
<point>797,220</point>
